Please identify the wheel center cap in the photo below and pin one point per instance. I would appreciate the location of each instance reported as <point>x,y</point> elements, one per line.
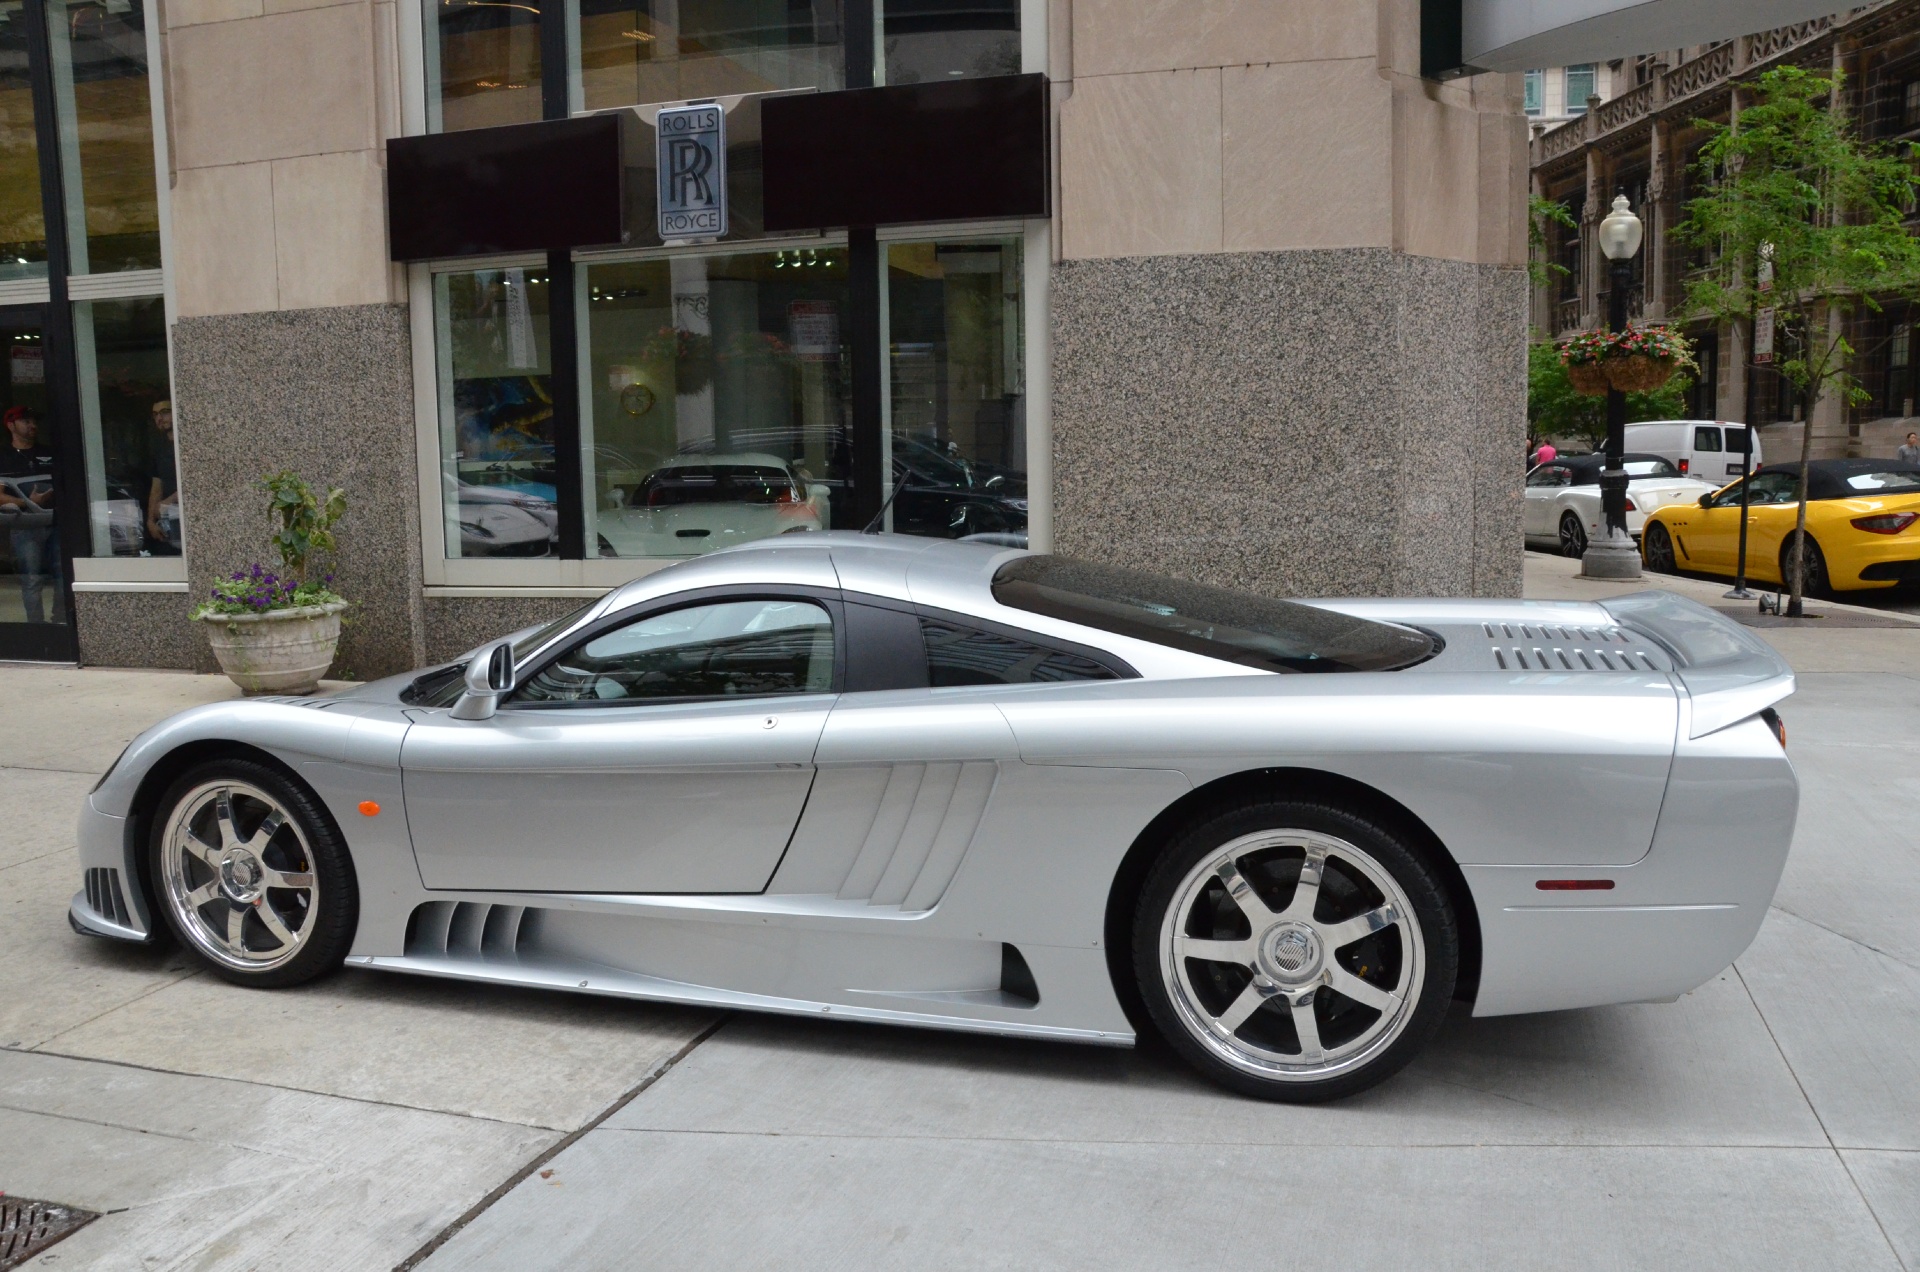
<point>1290,952</point>
<point>240,875</point>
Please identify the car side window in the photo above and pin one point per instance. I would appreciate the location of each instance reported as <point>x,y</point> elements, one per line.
<point>959,655</point>
<point>1550,475</point>
<point>1706,439</point>
<point>1767,488</point>
<point>727,649</point>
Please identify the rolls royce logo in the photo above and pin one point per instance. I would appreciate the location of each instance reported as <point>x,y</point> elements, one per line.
<point>692,165</point>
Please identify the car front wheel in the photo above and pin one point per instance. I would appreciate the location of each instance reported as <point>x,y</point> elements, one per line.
<point>1294,951</point>
<point>1573,536</point>
<point>253,876</point>
<point>1658,547</point>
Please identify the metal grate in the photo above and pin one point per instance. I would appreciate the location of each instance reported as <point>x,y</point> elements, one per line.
<point>104,897</point>
<point>1564,647</point>
<point>27,1227</point>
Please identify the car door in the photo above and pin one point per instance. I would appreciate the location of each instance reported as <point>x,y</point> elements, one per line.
<point>666,751</point>
<point>1544,484</point>
<point>1712,536</point>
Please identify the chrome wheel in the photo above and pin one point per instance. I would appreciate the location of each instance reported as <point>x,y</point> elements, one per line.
<point>239,876</point>
<point>1573,536</point>
<point>1658,545</point>
<point>1292,955</point>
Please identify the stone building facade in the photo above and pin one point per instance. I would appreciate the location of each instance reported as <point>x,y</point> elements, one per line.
<point>1267,330</point>
<point>1644,142</point>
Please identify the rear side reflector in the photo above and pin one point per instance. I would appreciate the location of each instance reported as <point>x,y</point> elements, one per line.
<point>1886,522</point>
<point>1574,885</point>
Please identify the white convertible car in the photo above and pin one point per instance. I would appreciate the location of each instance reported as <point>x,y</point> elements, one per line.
<point>1563,497</point>
<point>949,784</point>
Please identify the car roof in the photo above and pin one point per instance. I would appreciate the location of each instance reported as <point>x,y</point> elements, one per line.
<point>1826,478</point>
<point>1594,460</point>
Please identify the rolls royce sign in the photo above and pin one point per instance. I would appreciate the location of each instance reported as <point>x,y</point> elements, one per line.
<point>692,167</point>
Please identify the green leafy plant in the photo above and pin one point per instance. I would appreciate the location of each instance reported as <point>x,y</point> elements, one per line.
<point>305,519</point>
<point>1542,270</point>
<point>256,590</point>
<point>1789,183</point>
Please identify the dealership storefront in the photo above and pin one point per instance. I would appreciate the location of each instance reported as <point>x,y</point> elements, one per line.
<point>884,262</point>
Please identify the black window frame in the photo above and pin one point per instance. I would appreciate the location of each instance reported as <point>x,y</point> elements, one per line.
<point>907,645</point>
<point>828,599</point>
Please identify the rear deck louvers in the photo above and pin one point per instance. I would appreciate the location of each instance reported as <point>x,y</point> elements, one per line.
<point>104,897</point>
<point>1566,648</point>
<point>469,931</point>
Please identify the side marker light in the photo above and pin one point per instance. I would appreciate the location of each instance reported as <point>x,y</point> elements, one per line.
<point>1574,885</point>
<point>369,809</point>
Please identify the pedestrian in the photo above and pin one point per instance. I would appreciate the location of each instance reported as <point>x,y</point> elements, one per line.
<point>1910,453</point>
<point>33,538</point>
<point>1546,454</point>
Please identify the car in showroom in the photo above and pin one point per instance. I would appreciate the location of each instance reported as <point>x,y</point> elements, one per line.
<point>1562,497</point>
<point>698,503</point>
<point>926,782</point>
<point>1860,532</point>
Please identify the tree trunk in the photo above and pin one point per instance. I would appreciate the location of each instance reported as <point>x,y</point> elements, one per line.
<point>1798,570</point>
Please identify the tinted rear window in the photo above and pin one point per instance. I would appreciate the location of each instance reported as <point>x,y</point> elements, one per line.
<point>716,483</point>
<point>1255,631</point>
<point>1900,481</point>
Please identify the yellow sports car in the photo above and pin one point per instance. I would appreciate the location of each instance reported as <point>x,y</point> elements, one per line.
<point>1863,520</point>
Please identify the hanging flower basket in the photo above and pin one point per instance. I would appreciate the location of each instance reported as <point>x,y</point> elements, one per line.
<point>1585,359</point>
<point>1637,360</point>
<point>1588,377</point>
<point>1637,373</point>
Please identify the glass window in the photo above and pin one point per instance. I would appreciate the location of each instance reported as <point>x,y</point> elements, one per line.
<point>1648,468</point>
<point>496,413</point>
<point>961,656</point>
<point>1551,476</point>
<point>133,491</point>
<point>957,389</point>
<point>1888,480</point>
<point>1768,488</point>
<point>106,134</point>
<point>1536,92</point>
<point>732,649</point>
<point>950,39</point>
<point>1256,631</point>
<point>716,400</point>
<point>483,63</point>
<point>1910,106</point>
<point>1706,439</point>
<point>1580,86</point>
<point>23,222</point>
<point>638,51</point>
<point>1738,442</point>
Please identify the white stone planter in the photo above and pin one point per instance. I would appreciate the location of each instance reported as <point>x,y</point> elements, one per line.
<point>280,651</point>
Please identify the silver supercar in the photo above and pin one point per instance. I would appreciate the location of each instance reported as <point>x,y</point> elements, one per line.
<point>965,786</point>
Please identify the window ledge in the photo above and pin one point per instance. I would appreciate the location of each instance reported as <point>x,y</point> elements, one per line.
<point>129,574</point>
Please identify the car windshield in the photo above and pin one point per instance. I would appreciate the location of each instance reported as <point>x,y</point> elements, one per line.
<point>1255,631</point>
<point>1649,468</point>
<point>1884,481</point>
<point>717,483</point>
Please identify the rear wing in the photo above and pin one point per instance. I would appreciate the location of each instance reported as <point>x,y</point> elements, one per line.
<point>1727,671</point>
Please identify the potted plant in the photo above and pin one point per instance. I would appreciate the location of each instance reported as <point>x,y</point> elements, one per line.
<point>1641,359</point>
<point>276,633</point>
<point>1585,358</point>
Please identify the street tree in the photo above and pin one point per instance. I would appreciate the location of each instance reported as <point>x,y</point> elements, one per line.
<point>1791,190</point>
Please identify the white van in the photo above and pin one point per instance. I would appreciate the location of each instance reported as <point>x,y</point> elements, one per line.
<point>1707,450</point>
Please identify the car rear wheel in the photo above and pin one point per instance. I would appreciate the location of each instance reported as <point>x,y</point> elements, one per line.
<point>1816,582</point>
<point>253,877</point>
<point>1294,951</point>
<point>1658,546</point>
<point>1573,536</point>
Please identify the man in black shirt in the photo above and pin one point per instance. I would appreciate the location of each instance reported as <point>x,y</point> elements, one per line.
<point>163,486</point>
<point>26,507</point>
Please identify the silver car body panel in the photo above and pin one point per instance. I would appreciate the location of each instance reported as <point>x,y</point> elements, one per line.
<point>883,855</point>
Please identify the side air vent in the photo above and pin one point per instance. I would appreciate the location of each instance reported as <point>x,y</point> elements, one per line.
<point>469,931</point>
<point>104,897</point>
<point>1017,985</point>
<point>918,832</point>
<point>1565,648</point>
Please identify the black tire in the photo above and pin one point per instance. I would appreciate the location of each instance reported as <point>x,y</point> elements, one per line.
<point>1296,962</point>
<point>1816,581</point>
<point>1573,536</point>
<point>1656,545</point>
<point>290,881</point>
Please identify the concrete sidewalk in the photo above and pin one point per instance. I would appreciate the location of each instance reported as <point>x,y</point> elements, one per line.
<point>1770,1117</point>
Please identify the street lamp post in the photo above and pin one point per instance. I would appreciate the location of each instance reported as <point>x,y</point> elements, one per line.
<point>1612,555</point>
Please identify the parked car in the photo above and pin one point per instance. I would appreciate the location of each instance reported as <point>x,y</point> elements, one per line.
<point>1861,515</point>
<point>1707,449</point>
<point>1563,497</point>
<point>950,497</point>
<point>504,521</point>
<point>18,517</point>
<point>692,504</point>
<point>911,781</point>
<point>119,520</point>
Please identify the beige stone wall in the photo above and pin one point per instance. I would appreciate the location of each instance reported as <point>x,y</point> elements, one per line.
<point>1197,126</point>
<point>279,111</point>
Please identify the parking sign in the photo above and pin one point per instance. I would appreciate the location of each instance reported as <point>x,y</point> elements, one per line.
<point>692,166</point>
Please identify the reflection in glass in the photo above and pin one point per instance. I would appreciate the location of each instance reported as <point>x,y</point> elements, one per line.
<point>957,404</point>
<point>496,413</point>
<point>950,39</point>
<point>106,134</point>
<point>133,487</point>
<point>715,407</point>
<point>23,222</point>
<point>637,51</point>
<point>483,63</point>
<point>733,649</point>
<point>31,590</point>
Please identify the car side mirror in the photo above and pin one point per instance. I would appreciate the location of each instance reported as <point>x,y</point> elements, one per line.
<point>489,677</point>
<point>1706,500</point>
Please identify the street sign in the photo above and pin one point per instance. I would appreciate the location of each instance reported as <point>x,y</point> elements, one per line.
<point>1763,277</point>
<point>1763,335</point>
<point>692,165</point>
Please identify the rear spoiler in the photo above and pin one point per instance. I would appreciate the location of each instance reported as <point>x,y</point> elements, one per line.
<point>1728,672</point>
